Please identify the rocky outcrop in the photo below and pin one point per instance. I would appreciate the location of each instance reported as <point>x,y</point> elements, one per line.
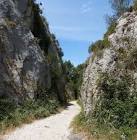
<point>30,57</point>
<point>117,59</point>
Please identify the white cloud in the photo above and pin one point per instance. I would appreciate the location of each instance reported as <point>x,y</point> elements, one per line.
<point>86,7</point>
<point>73,33</point>
<point>70,29</point>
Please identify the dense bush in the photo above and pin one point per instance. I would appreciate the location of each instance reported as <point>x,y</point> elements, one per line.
<point>131,60</point>
<point>97,47</point>
<point>120,6</point>
<point>74,76</point>
<point>111,29</point>
<point>118,105</point>
<point>115,114</point>
<point>12,115</point>
<point>7,106</point>
<point>135,4</point>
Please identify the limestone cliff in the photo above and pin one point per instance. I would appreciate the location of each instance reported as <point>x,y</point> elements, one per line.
<point>30,56</point>
<point>119,58</point>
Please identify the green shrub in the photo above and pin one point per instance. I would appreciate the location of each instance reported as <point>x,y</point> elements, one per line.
<point>74,77</point>
<point>120,6</point>
<point>12,116</point>
<point>7,106</point>
<point>118,106</point>
<point>92,129</point>
<point>115,114</point>
<point>95,46</point>
<point>122,55</point>
<point>131,60</point>
<point>135,5</point>
<point>111,29</point>
<point>98,47</point>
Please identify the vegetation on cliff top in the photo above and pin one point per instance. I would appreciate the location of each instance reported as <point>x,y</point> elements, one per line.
<point>115,114</point>
<point>119,7</point>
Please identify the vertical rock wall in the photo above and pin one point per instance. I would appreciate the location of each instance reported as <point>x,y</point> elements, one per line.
<point>26,63</point>
<point>117,59</point>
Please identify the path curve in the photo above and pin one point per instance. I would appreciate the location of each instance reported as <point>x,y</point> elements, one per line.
<point>55,127</point>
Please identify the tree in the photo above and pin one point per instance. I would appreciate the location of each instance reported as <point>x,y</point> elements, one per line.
<point>135,4</point>
<point>120,6</point>
<point>74,77</point>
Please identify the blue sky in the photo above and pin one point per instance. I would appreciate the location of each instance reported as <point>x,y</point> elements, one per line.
<point>76,24</point>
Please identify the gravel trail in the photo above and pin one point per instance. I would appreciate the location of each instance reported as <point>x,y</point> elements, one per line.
<point>55,127</point>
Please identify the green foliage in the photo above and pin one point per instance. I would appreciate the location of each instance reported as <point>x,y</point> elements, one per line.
<point>121,58</point>
<point>38,29</point>
<point>54,62</point>
<point>131,60</point>
<point>81,120</point>
<point>78,77</point>
<point>12,115</point>
<point>111,29</point>
<point>135,5</point>
<point>98,47</point>
<point>68,69</point>
<point>117,106</point>
<point>115,114</point>
<point>120,6</point>
<point>6,107</point>
<point>74,76</point>
<point>92,129</point>
<point>60,52</point>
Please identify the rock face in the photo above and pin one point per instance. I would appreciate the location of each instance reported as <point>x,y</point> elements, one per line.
<point>118,58</point>
<point>29,53</point>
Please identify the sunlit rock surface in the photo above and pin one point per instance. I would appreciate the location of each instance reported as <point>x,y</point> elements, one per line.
<point>122,42</point>
<point>25,66</point>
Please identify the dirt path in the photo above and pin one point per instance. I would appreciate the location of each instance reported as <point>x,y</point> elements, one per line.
<point>52,128</point>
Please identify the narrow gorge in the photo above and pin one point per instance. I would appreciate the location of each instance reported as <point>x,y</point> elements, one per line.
<point>36,82</point>
<point>31,68</point>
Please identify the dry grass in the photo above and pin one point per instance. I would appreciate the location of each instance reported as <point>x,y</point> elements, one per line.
<point>91,132</point>
<point>26,115</point>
